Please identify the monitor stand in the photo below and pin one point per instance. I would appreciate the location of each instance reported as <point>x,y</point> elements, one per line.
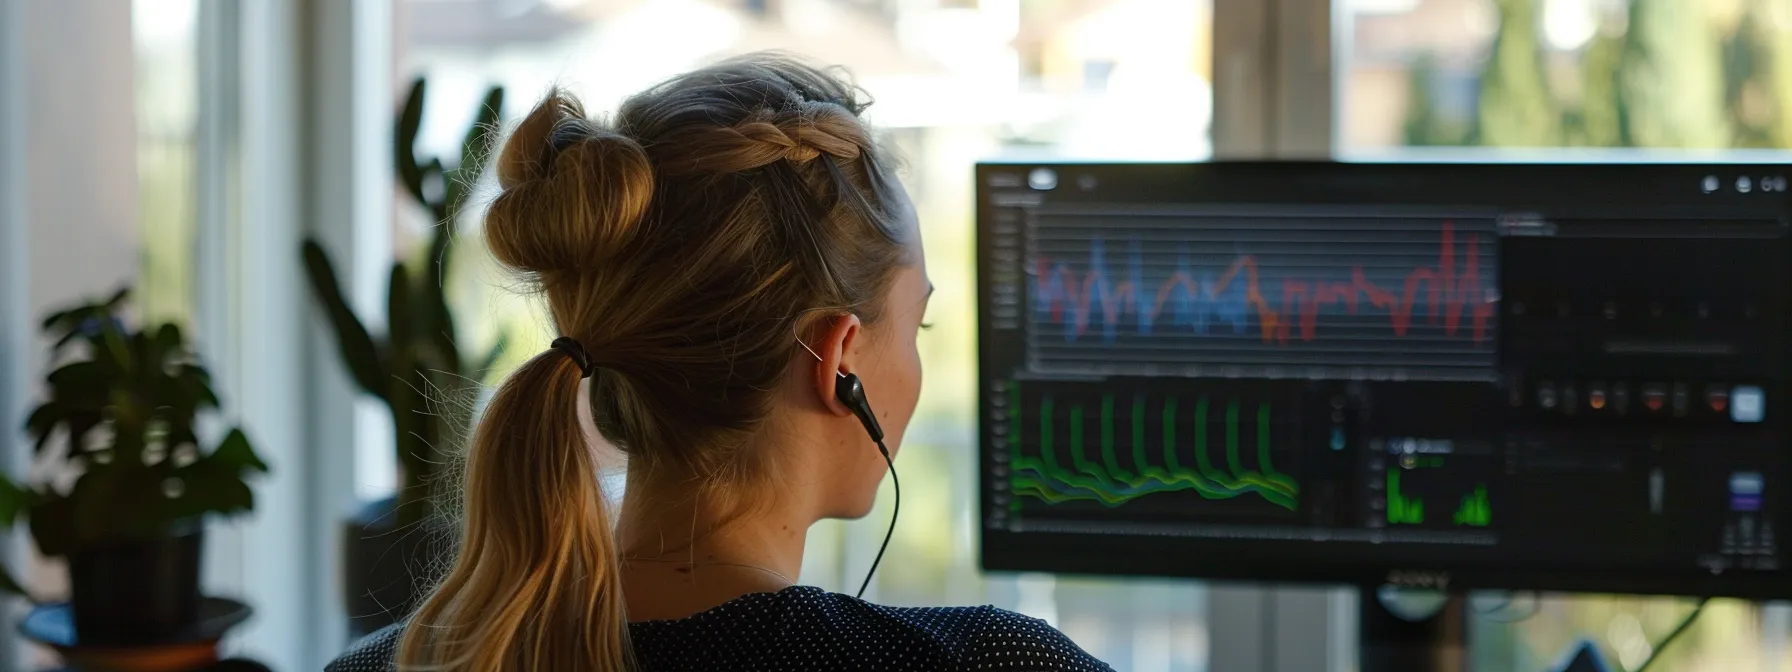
<point>1412,630</point>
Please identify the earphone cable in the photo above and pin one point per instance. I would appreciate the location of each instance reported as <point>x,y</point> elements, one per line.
<point>894,510</point>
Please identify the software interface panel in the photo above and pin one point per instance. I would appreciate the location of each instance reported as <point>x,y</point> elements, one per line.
<point>1567,377</point>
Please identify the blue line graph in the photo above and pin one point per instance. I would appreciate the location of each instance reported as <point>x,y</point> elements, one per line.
<point>1192,300</point>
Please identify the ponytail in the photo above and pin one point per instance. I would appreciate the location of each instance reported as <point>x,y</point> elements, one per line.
<point>678,243</point>
<point>535,586</point>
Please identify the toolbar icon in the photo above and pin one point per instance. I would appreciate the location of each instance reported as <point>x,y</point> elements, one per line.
<point>1654,396</point>
<point>1745,491</point>
<point>1747,403</point>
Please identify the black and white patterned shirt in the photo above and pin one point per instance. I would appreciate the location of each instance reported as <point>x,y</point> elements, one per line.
<point>805,628</point>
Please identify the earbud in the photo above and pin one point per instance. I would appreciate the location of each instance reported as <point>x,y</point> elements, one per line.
<point>851,392</point>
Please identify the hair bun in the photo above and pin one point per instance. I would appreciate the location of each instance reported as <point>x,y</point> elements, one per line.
<point>573,191</point>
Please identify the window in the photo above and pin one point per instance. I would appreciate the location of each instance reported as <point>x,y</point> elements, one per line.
<point>1534,633</point>
<point>1664,74</point>
<point>954,82</point>
<point>167,115</point>
<point>1096,73</point>
<point>1545,79</point>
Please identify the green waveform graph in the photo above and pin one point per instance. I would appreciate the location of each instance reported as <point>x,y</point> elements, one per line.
<point>1475,511</point>
<point>1403,510</point>
<point>1104,479</point>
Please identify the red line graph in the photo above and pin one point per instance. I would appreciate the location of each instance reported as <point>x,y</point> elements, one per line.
<point>1450,293</point>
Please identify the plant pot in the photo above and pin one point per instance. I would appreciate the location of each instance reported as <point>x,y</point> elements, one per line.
<point>137,591</point>
<point>387,571</point>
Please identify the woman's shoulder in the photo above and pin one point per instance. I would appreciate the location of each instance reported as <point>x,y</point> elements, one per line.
<point>1001,639</point>
<point>806,624</point>
<point>373,653</point>
<point>982,637</point>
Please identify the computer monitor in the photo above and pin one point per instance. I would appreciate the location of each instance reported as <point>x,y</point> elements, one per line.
<point>1549,377</point>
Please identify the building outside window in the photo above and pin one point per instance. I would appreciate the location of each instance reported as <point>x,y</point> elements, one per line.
<point>1570,74</point>
<point>167,115</point>
<point>1601,80</point>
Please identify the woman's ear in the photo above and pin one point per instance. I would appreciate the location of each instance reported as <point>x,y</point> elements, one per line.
<point>833,349</point>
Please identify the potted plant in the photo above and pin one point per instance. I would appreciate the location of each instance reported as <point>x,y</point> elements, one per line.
<point>393,545</point>
<point>131,524</point>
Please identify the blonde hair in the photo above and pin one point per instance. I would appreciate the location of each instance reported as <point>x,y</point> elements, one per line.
<point>682,245</point>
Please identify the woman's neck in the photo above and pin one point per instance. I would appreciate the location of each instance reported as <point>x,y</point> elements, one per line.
<point>682,555</point>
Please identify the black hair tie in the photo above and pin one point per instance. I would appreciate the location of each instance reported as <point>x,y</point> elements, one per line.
<point>576,352</point>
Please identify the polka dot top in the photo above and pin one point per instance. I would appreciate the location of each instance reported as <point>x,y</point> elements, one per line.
<point>806,628</point>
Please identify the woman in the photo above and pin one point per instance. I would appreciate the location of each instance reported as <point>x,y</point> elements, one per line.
<point>716,260</point>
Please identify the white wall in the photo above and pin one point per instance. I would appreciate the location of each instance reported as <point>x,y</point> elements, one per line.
<point>80,149</point>
<point>68,190</point>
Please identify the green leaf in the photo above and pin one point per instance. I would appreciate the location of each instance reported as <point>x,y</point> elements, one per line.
<point>14,502</point>
<point>194,386</point>
<point>211,490</point>
<point>401,390</point>
<point>476,146</point>
<point>43,422</point>
<point>114,345</point>
<point>64,340</point>
<point>399,318</point>
<point>119,296</point>
<point>81,424</point>
<point>438,318</point>
<point>236,455</point>
<point>475,149</point>
<point>437,323</point>
<point>404,139</point>
<point>75,316</point>
<point>70,324</point>
<point>65,326</point>
<point>434,172</point>
<point>84,378</point>
<point>357,347</point>
<point>167,345</point>
<point>186,388</point>
<point>53,526</point>
<point>215,483</point>
<point>57,319</point>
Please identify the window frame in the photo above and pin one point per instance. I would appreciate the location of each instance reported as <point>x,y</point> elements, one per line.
<point>15,302</point>
<point>1274,91</point>
<point>249,314</point>
<point>293,142</point>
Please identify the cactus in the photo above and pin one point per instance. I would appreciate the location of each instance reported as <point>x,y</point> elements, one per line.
<point>418,357</point>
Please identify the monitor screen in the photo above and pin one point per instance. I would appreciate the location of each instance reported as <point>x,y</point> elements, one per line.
<point>1550,377</point>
